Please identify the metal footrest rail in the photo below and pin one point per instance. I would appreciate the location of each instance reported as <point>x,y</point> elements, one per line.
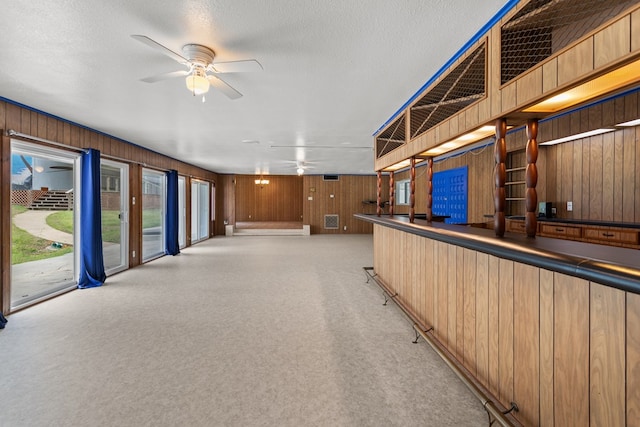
<point>495,414</point>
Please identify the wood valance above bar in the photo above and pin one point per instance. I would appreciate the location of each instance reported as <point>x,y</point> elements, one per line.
<point>611,266</point>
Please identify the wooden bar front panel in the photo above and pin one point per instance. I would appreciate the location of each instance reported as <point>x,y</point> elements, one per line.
<point>564,349</point>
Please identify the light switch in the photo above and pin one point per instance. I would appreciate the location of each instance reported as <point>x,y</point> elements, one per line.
<point>569,206</point>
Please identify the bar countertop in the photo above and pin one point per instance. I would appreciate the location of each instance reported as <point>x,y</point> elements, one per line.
<point>612,266</point>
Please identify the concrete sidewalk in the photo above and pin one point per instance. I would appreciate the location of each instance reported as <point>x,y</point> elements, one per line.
<point>34,222</point>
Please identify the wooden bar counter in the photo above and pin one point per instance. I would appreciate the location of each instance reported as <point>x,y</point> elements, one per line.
<point>552,325</point>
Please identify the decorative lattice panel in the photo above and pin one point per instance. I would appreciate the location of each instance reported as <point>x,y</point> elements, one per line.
<point>391,138</point>
<point>26,197</point>
<point>461,87</point>
<point>331,222</point>
<point>543,27</point>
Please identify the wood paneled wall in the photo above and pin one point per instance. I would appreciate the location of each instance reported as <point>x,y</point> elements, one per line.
<point>243,198</point>
<point>44,126</point>
<point>598,174</point>
<point>480,184</point>
<point>229,206</point>
<point>349,193</point>
<point>280,200</point>
<point>564,349</point>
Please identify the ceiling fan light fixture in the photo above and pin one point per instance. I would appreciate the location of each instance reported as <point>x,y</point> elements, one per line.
<point>197,82</point>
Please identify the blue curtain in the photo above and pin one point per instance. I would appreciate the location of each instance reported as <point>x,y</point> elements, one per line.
<point>172,246</point>
<point>91,261</point>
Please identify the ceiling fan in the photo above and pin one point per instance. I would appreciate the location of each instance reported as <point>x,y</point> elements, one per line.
<point>301,166</point>
<point>200,69</point>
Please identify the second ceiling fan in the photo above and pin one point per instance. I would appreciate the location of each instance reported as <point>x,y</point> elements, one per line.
<point>200,69</point>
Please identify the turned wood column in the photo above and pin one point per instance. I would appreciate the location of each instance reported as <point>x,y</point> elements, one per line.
<point>412,196</point>
<point>379,198</point>
<point>429,189</point>
<point>500,177</point>
<point>392,193</point>
<point>531,178</point>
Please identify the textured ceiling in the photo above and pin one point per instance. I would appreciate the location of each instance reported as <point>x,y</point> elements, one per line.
<point>334,72</point>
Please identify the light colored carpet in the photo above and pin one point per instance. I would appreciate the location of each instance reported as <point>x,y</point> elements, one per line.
<point>252,331</point>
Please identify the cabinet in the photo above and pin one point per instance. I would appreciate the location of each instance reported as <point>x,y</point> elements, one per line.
<point>570,232</point>
<point>612,236</point>
<point>516,226</point>
<point>589,233</point>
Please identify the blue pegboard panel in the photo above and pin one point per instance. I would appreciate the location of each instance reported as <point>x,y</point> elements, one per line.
<point>450,194</point>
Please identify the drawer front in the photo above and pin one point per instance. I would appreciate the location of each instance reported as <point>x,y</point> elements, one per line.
<point>560,230</point>
<point>515,226</point>
<point>607,235</point>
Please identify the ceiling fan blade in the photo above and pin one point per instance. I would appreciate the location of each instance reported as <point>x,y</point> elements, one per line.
<point>244,66</point>
<point>223,87</point>
<point>157,46</point>
<point>165,76</point>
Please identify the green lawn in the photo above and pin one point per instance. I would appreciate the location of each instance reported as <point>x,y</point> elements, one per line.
<point>25,247</point>
<point>151,218</point>
<point>63,221</point>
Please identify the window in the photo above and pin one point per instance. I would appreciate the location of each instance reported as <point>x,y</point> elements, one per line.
<point>110,180</point>
<point>403,192</point>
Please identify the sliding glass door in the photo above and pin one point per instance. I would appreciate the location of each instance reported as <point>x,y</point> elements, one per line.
<point>182,212</point>
<point>114,194</point>
<point>43,183</point>
<point>153,202</point>
<point>199,210</point>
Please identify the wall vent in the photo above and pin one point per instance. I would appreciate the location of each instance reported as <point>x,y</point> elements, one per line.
<point>331,222</point>
<point>331,178</point>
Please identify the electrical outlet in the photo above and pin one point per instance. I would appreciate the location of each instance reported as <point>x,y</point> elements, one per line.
<point>331,196</point>
<point>569,206</point>
<point>345,228</point>
<point>310,198</point>
<point>133,254</point>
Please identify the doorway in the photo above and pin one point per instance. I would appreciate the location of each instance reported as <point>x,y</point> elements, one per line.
<point>199,210</point>
<point>182,212</point>
<point>114,194</point>
<point>154,196</point>
<point>43,215</point>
